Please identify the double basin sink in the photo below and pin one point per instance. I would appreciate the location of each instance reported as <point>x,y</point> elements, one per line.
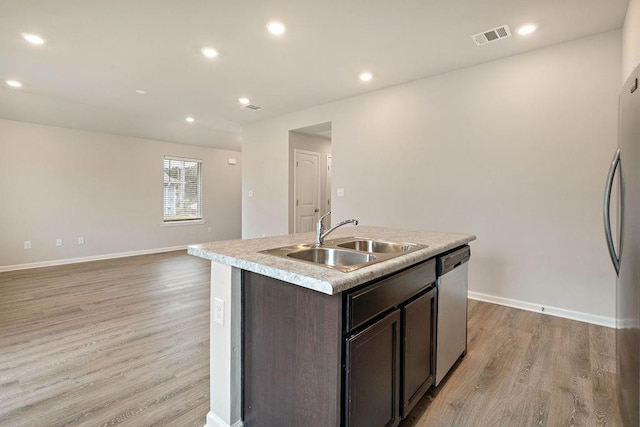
<point>345,254</point>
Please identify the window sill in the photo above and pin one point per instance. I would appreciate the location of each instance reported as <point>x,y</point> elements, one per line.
<point>183,222</point>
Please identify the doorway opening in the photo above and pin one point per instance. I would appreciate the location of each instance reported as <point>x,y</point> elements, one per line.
<point>309,176</point>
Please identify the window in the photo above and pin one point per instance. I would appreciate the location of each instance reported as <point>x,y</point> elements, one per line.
<point>182,199</point>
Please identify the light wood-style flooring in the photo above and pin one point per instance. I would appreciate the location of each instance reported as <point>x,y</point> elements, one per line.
<point>122,342</point>
<point>125,342</point>
<point>526,369</point>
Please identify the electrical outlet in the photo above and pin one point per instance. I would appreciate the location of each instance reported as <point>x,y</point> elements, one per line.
<point>218,311</point>
<point>58,242</point>
<point>340,192</point>
<point>209,229</point>
<point>81,240</point>
<point>27,244</point>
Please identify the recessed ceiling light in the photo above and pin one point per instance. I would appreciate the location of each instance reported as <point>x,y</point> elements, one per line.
<point>365,76</point>
<point>190,119</point>
<point>13,83</point>
<point>526,29</point>
<point>33,38</point>
<point>141,92</point>
<point>276,28</point>
<point>244,101</point>
<point>209,52</point>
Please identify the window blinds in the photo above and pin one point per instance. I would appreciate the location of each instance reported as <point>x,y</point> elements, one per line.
<point>182,200</point>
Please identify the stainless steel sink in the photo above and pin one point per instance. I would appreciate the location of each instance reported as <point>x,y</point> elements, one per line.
<point>345,254</point>
<point>332,256</point>
<point>379,246</point>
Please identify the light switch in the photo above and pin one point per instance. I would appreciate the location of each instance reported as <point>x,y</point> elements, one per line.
<point>218,311</point>
<point>250,193</point>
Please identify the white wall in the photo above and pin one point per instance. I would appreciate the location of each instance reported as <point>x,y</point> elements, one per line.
<point>64,183</point>
<point>631,39</point>
<point>515,151</point>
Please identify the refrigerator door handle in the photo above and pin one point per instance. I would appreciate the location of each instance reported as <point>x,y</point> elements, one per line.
<point>607,205</point>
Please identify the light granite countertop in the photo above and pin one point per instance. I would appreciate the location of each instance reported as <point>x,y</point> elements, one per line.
<point>244,254</point>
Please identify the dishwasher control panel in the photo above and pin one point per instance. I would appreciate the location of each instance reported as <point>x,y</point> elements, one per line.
<point>451,260</point>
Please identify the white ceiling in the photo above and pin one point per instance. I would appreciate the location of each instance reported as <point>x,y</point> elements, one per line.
<point>98,52</point>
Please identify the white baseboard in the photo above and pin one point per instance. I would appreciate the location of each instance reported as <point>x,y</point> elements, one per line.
<point>4,268</point>
<point>215,421</point>
<point>595,319</point>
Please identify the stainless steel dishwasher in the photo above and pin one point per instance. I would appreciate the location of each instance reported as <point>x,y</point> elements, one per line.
<point>451,341</point>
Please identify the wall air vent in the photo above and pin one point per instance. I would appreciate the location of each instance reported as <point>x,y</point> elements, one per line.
<point>491,35</point>
<point>251,107</point>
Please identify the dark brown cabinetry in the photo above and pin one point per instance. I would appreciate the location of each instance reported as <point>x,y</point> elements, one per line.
<point>390,346</point>
<point>291,354</point>
<point>372,375</point>
<point>418,348</point>
<point>363,358</point>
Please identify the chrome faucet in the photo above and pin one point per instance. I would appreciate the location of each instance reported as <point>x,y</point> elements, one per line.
<point>321,234</point>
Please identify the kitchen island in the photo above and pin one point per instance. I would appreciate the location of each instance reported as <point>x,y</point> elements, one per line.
<point>317,313</point>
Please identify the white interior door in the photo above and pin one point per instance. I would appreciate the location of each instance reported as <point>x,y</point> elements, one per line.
<point>307,190</point>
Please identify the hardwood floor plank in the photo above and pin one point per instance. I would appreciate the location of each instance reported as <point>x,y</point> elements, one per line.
<point>571,405</point>
<point>605,402</point>
<point>603,348</point>
<point>542,353</point>
<point>495,379</point>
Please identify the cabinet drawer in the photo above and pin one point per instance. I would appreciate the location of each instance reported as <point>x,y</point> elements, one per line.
<point>380,296</point>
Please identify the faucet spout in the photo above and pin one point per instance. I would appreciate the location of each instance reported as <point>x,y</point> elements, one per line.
<point>321,234</point>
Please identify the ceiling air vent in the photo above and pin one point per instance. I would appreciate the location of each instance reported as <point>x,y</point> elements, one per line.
<point>251,107</point>
<point>491,35</point>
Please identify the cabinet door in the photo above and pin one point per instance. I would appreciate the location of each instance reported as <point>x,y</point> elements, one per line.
<point>418,349</point>
<point>372,383</point>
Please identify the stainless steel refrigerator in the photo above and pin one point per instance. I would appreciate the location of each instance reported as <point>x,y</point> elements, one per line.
<point>626,259</point>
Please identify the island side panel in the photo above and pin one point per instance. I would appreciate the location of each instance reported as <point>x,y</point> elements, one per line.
<point>292,352</point>
<point>225,345</point>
